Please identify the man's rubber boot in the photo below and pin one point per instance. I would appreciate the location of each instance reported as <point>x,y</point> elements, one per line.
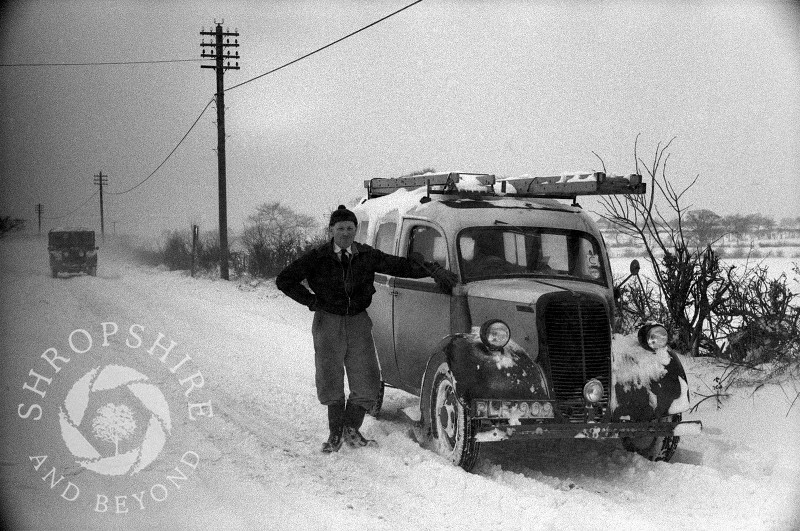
<point>353,417</point>
<point>336,425</point>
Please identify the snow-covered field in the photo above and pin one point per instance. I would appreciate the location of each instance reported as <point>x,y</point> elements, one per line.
<point>256,462</point>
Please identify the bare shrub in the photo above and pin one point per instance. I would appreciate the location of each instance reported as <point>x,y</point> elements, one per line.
<point>9,224</point>
<point>207,251</point>
<point>761,322</point>
<point>176,253</point>
<point>636,304</point>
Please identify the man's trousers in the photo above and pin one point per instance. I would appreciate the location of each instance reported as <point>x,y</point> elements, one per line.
<point>343,344</point>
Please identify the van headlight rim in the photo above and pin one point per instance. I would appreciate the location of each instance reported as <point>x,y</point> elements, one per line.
<point>495,334</point>
<point>653,336</point>
<point>593,391</point>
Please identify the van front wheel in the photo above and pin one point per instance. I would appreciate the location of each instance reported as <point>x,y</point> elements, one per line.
<point>451,424</point>
<point>654,448</point>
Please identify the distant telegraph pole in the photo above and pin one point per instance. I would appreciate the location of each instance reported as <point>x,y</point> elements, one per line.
<point>101,180</point>
<point>39,210</point>
<point>220,55</point>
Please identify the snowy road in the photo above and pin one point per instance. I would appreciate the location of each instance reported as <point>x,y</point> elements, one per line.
<point>256,462</point>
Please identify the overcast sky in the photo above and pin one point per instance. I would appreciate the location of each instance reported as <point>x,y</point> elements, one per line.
<point>508,88</point>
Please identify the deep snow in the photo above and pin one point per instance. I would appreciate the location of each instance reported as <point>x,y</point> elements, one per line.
<point>259,461</point>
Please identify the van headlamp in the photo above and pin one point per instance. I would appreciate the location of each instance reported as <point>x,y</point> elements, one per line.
<point>593,391</point>
<point>653,336</point>
<point>495,334</point>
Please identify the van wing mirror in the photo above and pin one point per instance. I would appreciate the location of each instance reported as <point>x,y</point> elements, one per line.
<point>634,269</point>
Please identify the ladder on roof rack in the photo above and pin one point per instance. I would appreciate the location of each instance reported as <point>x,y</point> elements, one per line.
<point>552,187</point>
<point>571,186</point>
<point>378,186</point>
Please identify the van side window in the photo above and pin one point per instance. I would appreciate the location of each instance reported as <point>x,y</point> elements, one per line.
<point>361,234</point>
<point>384,239</point>
<point>430,243</point>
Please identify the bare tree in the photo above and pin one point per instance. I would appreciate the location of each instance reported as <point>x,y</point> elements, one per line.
<point>689,278</point>
<point>274,223</point>
<point>738,224</point>
<point>765,225</point>
<point>705,226</point>
<point>274,236</point>
<point>113,424</point>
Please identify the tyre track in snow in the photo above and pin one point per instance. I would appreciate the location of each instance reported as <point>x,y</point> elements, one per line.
<point>126,296</point>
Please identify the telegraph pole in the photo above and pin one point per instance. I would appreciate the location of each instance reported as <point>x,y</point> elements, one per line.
<point>39,210</point>
<point>101,180</point>
<point>220,55</point>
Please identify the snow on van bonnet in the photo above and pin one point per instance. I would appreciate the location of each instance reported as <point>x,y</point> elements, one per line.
<point>635,366</point>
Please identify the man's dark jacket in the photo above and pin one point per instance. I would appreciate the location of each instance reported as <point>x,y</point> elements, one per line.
<point>338,289</point>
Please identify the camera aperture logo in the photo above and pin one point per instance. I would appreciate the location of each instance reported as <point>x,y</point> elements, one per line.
<point>115,420</point>
<point>115,423</point>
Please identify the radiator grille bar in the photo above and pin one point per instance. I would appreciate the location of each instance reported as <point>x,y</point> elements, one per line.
<point>579,347</point>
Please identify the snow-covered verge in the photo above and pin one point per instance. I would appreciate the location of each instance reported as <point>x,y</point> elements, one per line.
<point>259,464</point>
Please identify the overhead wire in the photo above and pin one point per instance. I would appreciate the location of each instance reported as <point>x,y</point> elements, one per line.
<point>213,99</point>
<point>102,63</point>
<point>323,47</point>
<point>258,77</point>
<point>72,212</point>
<point>170,153</point>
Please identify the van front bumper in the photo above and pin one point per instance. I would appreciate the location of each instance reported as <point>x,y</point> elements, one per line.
<point>605,430</point>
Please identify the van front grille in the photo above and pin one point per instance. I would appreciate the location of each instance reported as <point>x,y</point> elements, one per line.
<point>578,340</point>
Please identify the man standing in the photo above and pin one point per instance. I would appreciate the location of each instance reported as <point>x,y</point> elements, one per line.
<point>341,273</point>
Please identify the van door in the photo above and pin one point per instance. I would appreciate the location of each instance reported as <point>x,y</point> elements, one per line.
<point>380,311</point>
<point>421,312</point>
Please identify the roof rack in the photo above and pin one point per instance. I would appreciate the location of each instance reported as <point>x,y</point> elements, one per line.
<point>571,186</point>
<point>552,187</point>
<point>378,187</point>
